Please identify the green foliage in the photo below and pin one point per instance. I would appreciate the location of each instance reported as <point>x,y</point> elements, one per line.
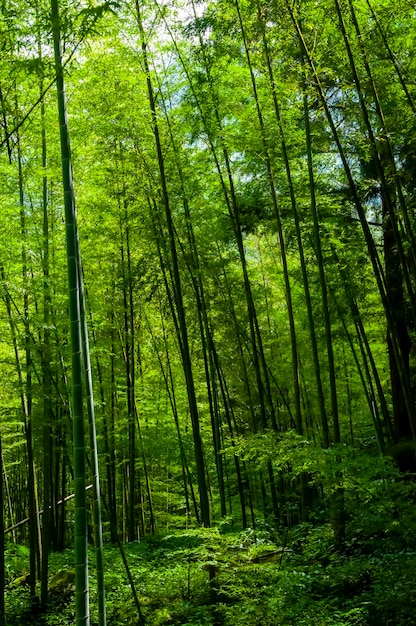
<point>200,576</point>
<point>17,561</point>
<point>223,170</point>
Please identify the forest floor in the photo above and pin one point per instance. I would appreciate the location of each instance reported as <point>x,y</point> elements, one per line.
<point>252,577</point>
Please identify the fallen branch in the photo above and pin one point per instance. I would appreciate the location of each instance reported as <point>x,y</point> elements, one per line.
<point>24,521</point>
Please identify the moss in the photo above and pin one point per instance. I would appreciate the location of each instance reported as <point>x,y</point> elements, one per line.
<point>62,584</point>
<point>21,581</point>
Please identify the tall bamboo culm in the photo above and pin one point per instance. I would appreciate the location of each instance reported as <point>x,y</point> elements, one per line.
<point>82,617</point>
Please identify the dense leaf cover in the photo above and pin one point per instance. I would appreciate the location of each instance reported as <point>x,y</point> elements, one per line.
<point>243,202</point>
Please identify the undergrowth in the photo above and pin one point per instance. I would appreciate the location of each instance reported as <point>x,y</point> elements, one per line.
<point>253,577</point>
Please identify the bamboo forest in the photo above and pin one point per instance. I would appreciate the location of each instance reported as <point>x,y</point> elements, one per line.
<point>208,312</point>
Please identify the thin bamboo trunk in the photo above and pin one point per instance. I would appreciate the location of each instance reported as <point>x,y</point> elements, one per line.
<point>186,358</point>
<point>392,58</point>
<point>46,362</point>
<point>371,246</point>
<point>276,207</point>
<point>320,261</point>
<point>98,537</point>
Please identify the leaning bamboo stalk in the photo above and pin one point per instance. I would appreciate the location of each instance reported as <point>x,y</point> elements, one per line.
<point>370,243</point>
<point>26,519</point>
<point>98,537</point>
<point>282,243</point>
<point>177,291</point>
<point>385,193</point>
<point>319,254</point>
<point>45,537</point>
<point>226,180</point>
<point>392,58</point>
